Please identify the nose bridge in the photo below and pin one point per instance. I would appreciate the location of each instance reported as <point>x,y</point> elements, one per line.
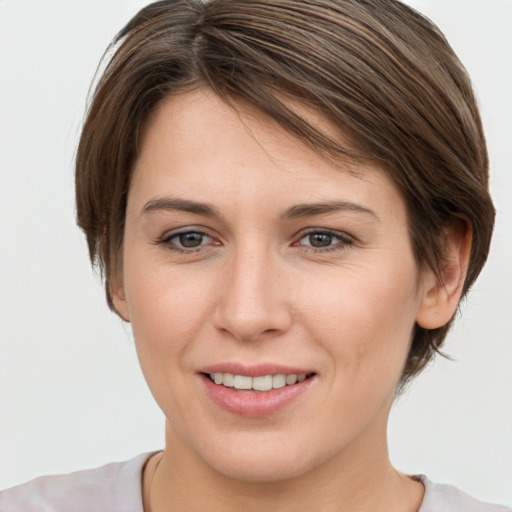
<point>252,302</point>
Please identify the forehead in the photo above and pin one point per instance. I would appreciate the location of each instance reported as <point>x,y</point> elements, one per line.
<point>194,144</point>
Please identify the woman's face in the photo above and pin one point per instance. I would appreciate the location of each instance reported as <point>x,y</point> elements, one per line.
<point>250,261</point>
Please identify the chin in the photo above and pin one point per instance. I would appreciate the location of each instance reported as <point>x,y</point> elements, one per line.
<point>262,469</point>
<point>263,461</point>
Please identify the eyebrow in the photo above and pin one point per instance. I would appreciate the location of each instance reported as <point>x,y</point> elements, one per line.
<point>294,212</point>
<point>182,205</point>
<point>313,209</point>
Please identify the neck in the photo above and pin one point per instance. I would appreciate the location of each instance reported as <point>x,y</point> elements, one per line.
<point>362,478</point>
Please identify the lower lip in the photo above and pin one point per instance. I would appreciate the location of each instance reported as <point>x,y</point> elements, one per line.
<point>256,404</point>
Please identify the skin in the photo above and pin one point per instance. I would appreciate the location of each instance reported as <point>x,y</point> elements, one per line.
<point>256,291</point>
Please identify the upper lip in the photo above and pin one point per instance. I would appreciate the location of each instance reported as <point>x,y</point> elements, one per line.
<point>257,370</point>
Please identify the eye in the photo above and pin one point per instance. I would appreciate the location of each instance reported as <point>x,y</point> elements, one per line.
<point>324,240</point>
<point>186,241</point>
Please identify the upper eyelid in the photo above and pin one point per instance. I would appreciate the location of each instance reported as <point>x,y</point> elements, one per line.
<point>169,241</point>
<point>296,238</point>
<point>341,242</point>
<point>334,232</point>
<point>301,233</point>
<point>321,230</point>
<point>184,230</point>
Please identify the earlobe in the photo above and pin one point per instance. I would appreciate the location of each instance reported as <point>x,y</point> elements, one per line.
<point>441,294</point>
<point>118,298</point>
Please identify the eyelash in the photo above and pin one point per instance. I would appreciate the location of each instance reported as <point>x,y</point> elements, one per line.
<point>166,241</point>
<point>342,241</point>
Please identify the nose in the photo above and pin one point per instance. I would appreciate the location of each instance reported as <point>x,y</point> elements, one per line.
<point>254,301</point>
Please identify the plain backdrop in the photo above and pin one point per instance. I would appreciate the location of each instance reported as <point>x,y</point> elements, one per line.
<point>71,392</point>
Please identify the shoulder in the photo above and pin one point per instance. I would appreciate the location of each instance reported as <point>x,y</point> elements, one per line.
<point>114,487</point>
<point>446,498</point>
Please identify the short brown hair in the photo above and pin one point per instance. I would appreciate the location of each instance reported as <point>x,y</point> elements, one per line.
<point>377,69</point>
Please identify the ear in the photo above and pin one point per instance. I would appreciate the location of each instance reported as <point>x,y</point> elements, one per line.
<point>440,297</point>
<point>117,295</point>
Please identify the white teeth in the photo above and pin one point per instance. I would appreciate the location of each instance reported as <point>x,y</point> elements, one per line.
<point>228,380</point>
<point>279,381</point>
<point>243,382</point>
<point>263,383</point>
<point>291,379</point>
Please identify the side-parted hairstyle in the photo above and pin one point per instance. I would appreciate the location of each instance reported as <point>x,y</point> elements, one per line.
<point>378,70</point>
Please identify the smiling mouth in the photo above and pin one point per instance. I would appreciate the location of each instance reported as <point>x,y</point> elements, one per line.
<point>257,384</point>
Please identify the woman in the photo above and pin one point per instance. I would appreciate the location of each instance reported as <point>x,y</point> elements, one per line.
<point>288,201</point>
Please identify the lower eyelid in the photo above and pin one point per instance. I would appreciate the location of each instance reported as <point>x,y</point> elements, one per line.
<point>168,238</point>
<point>341,238</point>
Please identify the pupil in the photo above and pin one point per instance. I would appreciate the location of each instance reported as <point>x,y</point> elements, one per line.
<point>320,240</point>
<point>191,239</point>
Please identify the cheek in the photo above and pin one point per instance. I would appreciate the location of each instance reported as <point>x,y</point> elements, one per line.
<point>166,318</point>
<point>364,320</point>
<point>161,299</point>
<point>167,314</point>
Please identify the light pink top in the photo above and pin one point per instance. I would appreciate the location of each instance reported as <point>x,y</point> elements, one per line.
<point>116,487</point>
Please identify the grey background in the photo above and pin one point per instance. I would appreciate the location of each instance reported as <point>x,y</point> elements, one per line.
<point>71,393</point>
